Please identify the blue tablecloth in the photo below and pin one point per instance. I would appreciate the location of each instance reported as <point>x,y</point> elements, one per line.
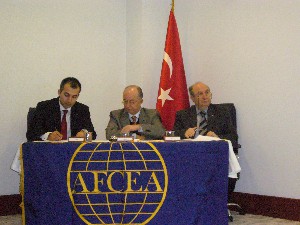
<point>170,183</point>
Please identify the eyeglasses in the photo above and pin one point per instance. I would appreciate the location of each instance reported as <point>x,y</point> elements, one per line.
<point>131,102</point>
<point>199,94</point>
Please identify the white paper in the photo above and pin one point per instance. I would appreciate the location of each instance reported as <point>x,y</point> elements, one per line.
<point>234,166</point>
<point>16,164</point>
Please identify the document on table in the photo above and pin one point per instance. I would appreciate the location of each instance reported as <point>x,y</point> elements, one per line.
<point>234,166</point>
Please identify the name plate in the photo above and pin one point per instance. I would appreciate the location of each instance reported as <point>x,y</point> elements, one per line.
<point>172,138</point>
<point>122,139</point>
<point>75,139</point>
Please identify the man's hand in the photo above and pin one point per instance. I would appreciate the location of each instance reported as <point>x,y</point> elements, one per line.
<point>55,136</point>
<point>211,134</point>
<point>129,128</point>
<point>190,133</point>
<point>140,137</point>
<point>80,134</point>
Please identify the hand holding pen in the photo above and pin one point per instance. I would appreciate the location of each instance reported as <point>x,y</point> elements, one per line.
<point>190,133</point>
<point>55,136</point>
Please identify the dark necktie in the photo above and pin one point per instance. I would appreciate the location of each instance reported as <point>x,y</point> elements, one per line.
<point>64,125</point>
<point>203,123</point>
<point>133,120</point>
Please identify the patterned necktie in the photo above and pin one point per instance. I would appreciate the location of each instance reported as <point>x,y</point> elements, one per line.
<point>203,124</point>
<point>64,125</point>
<point>133,120</point>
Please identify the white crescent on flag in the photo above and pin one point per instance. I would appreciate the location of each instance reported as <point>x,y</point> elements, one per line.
<point>169,62</point>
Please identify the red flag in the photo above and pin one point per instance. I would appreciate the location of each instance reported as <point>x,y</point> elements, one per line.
<point>172,92</point>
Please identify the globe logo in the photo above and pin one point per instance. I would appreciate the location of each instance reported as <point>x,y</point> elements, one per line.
<point>117,183</point>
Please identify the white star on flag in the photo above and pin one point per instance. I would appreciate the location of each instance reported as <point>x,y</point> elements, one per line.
<point>164,95</point>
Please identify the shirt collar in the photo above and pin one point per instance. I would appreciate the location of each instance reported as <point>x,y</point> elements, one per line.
<point>137,115</point>
<point>198,110</point>
<point>61,108</point>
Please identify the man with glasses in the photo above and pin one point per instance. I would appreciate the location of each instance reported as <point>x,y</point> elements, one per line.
<point>133,119</point>
<point>204,118</point>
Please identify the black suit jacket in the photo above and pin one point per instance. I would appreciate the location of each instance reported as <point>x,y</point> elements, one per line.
<point>218,121</point>
<point>47,118</point>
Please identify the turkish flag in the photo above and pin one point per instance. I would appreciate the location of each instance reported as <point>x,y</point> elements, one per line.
<point>172,92</point>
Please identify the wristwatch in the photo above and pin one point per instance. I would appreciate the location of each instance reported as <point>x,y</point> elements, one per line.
<point>85,131</point>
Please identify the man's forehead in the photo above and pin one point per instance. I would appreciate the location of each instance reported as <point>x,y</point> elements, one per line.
<point>71,91</point>
<point>130,93</point>
<point>201,88</point>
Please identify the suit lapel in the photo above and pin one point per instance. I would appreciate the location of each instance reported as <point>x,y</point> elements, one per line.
<point>124,118</point>
<point>74,113</point>
<point>74,120</point>
<point>211,114</point>
<point>192,114</point>
<point>142,117</point>
<point>56,115</point>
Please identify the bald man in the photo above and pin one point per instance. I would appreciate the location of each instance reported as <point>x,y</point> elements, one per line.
<point>218,121</point>
<point>139,122</point>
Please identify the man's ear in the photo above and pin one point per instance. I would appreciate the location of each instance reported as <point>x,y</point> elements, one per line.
<point>192,98</point>
<point>58,91</point>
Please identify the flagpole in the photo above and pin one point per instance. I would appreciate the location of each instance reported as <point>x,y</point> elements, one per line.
<point>172,5</point>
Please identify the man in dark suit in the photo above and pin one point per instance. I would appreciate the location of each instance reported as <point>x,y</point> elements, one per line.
<point>139,122</point>
<point>47,121</point>
<point>218,121</point>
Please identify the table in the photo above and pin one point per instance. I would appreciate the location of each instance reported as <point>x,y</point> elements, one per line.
<point>125,183</point>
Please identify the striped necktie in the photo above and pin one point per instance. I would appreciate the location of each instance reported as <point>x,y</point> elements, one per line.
<point>202,128</point>
<point>134,120</point>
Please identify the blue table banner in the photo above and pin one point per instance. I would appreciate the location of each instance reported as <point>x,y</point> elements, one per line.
<point>155,183</point>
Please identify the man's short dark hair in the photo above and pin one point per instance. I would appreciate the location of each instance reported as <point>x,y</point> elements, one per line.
<point>74,83</point>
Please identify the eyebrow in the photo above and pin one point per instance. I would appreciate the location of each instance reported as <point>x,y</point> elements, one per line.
<point>72,95</point>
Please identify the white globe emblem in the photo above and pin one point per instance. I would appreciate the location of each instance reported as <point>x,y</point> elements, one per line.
<point>117,183</point>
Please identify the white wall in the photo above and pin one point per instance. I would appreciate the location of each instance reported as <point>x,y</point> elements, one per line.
<point>43,42</point>
<point>249,54</point>
<point>247,51</point>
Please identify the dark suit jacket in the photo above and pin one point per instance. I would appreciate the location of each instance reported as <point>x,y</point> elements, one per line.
<point>149,119</point>
<point>218,121</point>
<point>47,118</point>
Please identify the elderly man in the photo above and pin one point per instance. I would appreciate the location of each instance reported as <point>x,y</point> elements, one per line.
<point>204,118</point>
<point>140,122</point>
